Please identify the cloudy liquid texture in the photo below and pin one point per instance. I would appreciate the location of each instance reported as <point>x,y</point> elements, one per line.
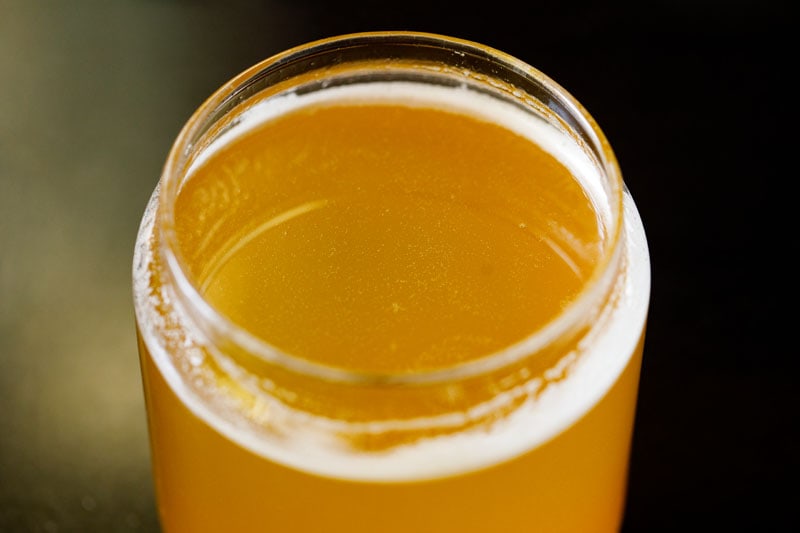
<point>390,229</point>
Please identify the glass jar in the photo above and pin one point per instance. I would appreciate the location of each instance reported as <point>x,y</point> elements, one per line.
<point>391,281</point>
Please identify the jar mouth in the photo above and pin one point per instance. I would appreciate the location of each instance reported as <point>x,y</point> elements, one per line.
<point>502,75</point>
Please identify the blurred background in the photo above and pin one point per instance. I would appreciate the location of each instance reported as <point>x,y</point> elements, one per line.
<point>693,95</point>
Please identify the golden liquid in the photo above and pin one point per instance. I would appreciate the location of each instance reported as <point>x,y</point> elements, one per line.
<point>395,239</point>
<point>573,483</point>
<point>387,238</point>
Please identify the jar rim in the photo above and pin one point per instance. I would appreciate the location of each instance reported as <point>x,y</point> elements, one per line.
<point>231,94</point>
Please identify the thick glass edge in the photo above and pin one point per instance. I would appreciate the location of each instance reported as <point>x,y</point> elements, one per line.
<point>235,91</point>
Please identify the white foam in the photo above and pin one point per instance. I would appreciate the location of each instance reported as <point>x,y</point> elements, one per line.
<point>458,100</point>
<point>559,405</point>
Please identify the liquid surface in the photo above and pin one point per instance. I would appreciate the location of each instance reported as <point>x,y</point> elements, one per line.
<point>386,237</point>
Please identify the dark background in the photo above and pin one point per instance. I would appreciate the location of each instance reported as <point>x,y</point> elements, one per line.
<point>697,99</point>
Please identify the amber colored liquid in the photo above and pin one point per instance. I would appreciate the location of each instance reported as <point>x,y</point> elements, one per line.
<point>573,483</point>
<point>390,239</point>
<point>387,238</point>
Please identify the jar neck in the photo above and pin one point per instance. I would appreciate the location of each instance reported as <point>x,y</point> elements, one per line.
<point>405,405</point>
